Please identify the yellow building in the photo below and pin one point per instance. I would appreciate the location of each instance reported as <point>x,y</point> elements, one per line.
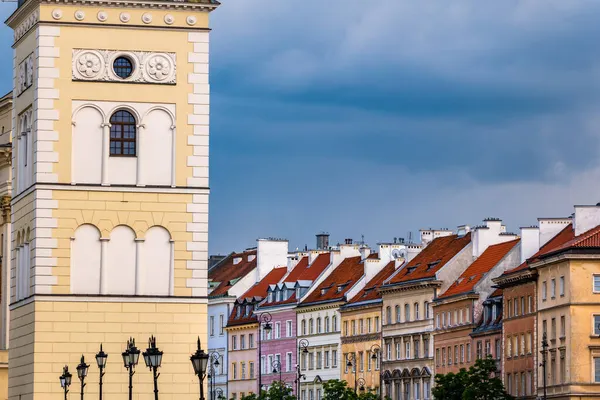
<point>110,191</point>
<point>361,334</point>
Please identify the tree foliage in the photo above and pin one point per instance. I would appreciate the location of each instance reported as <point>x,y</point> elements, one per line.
<point>335,389</point>
<point>277,391</point>
<point>478,383</point>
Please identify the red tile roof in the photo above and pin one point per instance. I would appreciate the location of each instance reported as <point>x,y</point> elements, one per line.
<point>315,269</point>
<point>431,259</point>
<point>587,240</point>
<point>370,291</point>
<point>496,293</point>
<point>298,270</point>
<point>226,271</point>
<point>477,270</point>
<point>559,239</point>
<point>335,286</point>
<point>253,296</point>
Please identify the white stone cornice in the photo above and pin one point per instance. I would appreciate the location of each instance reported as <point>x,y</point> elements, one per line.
<point>197,6</point>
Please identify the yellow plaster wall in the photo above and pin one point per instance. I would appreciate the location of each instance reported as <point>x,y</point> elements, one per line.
<point>66,330</point>
<point>3,374</point>
<point>122,37</point>
<point>22,216</point>
<point>371,377</point>
<point>106,210</point>
<point>20,373</point>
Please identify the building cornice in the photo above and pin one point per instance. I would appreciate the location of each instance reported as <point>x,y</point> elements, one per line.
<point>410,285</point>
<point>568,255</point>
<point>516,278</point>
<point>369,337</point>
<point>456,297</point>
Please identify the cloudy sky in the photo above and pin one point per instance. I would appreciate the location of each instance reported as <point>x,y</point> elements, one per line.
<point>379,118</point>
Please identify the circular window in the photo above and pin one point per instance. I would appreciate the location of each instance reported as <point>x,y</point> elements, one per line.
<point>123,67</point>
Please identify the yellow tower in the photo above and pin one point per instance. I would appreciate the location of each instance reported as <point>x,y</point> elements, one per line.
<point>110,192</point>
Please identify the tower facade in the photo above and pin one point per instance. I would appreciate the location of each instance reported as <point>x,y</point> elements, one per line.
<point>110,191</point>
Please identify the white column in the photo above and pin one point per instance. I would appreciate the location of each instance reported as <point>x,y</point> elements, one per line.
<point>138,266</point>
<point>138,156</point>
<point>173,153</point>
<point>103,264</point>
<point>172,268</point>
<point>105,153</point>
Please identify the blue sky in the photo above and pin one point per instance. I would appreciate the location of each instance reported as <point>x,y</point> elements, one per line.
<point>380,118</point>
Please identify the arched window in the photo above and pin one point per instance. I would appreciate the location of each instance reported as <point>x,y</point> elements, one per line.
<point>388,315</point>
<point>122,134</point>
<point>416,311</point>
<point>303,324</point>
<point>397,314</point>
<point>319,325</point>
<point>406,312</point>
<point>334,324</point>
<point>426,309</point>
<point>311,326</point>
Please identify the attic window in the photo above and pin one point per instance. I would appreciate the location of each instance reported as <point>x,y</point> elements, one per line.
<point>410,270</point>
<point>323,291</point>
<point>459,280</point>
<point>341,287</point>
<point>239,312</point>
<point>432,264</point>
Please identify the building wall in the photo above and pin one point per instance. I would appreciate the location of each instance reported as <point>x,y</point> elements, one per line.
<point>218,312</point>
<point>362,344</point>
<point>281,346</point>
<point>521,326</point>
<point>239,386</point>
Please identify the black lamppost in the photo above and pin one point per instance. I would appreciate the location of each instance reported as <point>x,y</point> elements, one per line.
<point>264,318</point>
<point>82,370</point>
<point>131,356</point>
<point>101,357</point>
<point>352,364</point>
<point>376,351</point>
<point>361,385</point>
<point>544,352</point>
<point>302,348</point>
<point>65,380</point>
<point>199,362</point>
<point>214,361</point>
<point>276,365</point>
<point>153,359</point>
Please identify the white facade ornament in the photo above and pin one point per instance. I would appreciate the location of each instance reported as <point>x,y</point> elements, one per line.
<point>57,13</point>
<point>147,18</point>
<point>102,16</point>
<point>124,17</point>
<point>148,67</point>
<point>89,64</point>
<point>159,67</point>
<point>169,19</point>
<point>26,25</point>
<point>25,74</point>
<point>79,15</point>
<point>191,20</point>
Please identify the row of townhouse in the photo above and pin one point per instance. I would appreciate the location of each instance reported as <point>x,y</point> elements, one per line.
<point>388,321</point>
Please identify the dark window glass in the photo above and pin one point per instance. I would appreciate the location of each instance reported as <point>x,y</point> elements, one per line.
<point>123,67</point>
<point>122,134</point>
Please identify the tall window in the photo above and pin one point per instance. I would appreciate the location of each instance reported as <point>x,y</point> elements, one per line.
<point>326,324</point>
<point>212,325</point>
<point>221,324</point>
<point>553,288</point>
<point>334,324</point>
<point>318,324</point>
<point>388,315</point>
<point>311,326</point>
<point>416,311</point>
<point>406,312</point>
<point>288,328</point>
<point>122,134</point>
<point>545,289</point>
<point>303,324</point>
<point>397,314</point>
<point>561,286</point>
<point>426,309</point>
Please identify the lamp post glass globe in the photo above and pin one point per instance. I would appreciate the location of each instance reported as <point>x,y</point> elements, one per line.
<point>82,368</point>
<point>65,378</point>
<point>152,355</point>
<point>199,361</point>
<point>101,357</point>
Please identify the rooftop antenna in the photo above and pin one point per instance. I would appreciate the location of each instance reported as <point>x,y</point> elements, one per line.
<point>409,237</point>
<point>362,239</point>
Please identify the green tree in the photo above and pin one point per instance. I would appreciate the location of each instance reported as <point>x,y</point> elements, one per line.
<point>279,391</point>
<point>483,383</point>
<point>450,386</point>
<point>335,389</point>
<point>368,395</point>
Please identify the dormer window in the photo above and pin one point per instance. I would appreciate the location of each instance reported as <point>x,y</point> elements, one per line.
<point>248,309</point>
<point>239,312</point>
<point>278,295</point>
<point>270,297</point>
<point>494,312</point>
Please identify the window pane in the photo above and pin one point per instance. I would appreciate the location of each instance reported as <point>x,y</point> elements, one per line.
<point>596,283</point>
<point>597,369</point>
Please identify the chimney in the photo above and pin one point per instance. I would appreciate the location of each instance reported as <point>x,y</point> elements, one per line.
<point>586,218</point>
<point>530,241</point>
<point>492,232</point>
<point>365,252</point>
<point>322,241</point>
<point>271,253</point>
<point>348,241</point>
<point>549,227</point>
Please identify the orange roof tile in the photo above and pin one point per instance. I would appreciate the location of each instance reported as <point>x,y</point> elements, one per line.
<point>587,240</point>
<point>226,272</point>
<point>477,270</point>
<point>298,270</point>
<point>370,291</point>
<point>335,286</point>
<point>431,259</point>
<point>315,269</point>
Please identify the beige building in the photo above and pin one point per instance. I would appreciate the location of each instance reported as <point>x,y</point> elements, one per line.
<point>110,191</point>
<point>568,288</point>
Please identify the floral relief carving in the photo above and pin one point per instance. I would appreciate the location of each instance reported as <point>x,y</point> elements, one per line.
<point>102,16</point>
<point>25,74</point>
<point>26,25</point>
<point>148,67</point>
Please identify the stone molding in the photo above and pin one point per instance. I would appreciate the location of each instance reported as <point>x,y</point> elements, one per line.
<point>25,74</point>
<point>148,67</point>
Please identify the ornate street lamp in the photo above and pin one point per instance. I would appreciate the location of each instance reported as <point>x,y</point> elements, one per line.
<point>131,356</point>
<point>199,362</point>
<point>153,359</point>
<point>361,385</point>
<point>65,380</point>
<point>101,357</point>
<point>376,353</point>
<point>82,370</point>
<point>276,365</point>
<point>214,361</point>
<point>264,322</point>
<point>544,352</point>
<point>302,348</point>
<point>219,393</point>
<point>352,364</point>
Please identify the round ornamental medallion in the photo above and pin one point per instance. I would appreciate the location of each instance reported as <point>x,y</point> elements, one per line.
<point>169,19</point>
<point>191,20</point>
<point>57,14</point>
<point>147,18</point>
<point>102,16</point>
<point>124,17</point>
<point>79,15</point>
<point>159,67</point>
<point>89,65</point>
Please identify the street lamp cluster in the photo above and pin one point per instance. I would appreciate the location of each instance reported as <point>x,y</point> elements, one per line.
<point>131,355</point>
